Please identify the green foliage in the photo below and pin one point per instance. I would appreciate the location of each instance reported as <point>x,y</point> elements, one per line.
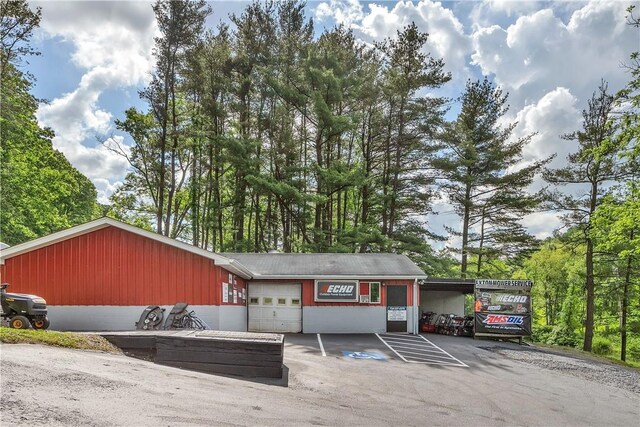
<point>564,335</point>
<point>40,191</point>
<point>633,349</point>
<point>541,333</point>
<point>601,346</point>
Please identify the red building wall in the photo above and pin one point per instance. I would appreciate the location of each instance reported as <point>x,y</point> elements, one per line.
<point>308,292</point>
<point>112,266</point>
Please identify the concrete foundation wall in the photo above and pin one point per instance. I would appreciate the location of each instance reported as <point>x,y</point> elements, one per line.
<point>344,319</point>
<point>233,318</point>
<point>117,318</point>
<point>442,302</point>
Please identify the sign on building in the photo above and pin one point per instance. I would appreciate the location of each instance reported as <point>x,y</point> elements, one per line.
<point>336,291</point>
<point>503,307</point>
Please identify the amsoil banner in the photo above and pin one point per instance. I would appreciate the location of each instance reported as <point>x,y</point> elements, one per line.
<point>503,307</point>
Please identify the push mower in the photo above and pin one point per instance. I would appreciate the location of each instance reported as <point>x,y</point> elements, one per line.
<point>425,322</point>
<point>179,318</point>
<point>455,326</point>
<point>441,323</point>
<point>467,327</point>
<point>22,310</point>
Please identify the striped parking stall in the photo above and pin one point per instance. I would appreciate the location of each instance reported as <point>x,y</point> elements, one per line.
<point>418,349</point>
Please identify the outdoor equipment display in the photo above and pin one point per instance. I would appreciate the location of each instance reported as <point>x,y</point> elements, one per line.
<point>179,318</point>
<point>467,327</point>
<point>151,318</point>
<point>23,311</point>
<point>426,322</point>
<point>503,307</point>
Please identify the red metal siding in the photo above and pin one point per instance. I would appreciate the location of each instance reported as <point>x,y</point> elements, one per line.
<point>111,266</point>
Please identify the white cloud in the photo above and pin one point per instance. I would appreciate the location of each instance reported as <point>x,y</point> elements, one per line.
<point>112,43</point>
<point>542,224</point>
<point>553,115</point>
<point>446,34</point>
<point>345,12</point>
<point>484,13</point>
<point>540,51</point>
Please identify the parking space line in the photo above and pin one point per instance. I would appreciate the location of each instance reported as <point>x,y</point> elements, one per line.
<point>454,358</point>
<point>411,353</point>
<point>399,337</point>
<point>324,354</point>
<point>407,348</point>
<point>412,349</point>
<point>408,344</point>
<point>391,348</point>
<point>432,362</point>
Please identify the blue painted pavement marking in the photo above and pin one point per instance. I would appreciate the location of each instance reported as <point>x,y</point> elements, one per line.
<point>363,355</point>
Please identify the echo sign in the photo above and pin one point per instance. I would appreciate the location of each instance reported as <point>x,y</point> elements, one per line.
<point>340,291</point>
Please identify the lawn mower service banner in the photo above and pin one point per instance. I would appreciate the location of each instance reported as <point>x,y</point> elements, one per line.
<point>503,307</point>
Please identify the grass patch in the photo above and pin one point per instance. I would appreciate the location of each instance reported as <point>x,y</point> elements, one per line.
<point>55,338</point>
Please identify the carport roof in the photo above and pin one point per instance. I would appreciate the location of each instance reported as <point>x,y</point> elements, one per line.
<point>328,266</point>
<point>458,285</point>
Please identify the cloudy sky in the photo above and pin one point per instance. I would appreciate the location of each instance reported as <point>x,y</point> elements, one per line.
<point>550,57</point>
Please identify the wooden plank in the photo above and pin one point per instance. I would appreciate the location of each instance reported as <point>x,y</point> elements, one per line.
<point>211,357</point>
<point>124,342</point>
<point>227,346</point>
<point>243,371</point>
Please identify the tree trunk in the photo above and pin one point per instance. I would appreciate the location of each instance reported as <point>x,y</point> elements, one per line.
<point>625,308</point>
<point>590,284</point>
<point>465,232</point>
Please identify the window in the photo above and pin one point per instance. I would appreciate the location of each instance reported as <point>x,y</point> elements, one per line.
<point>253,301</point>
<point>267,301</point>
<point>374,293</point>
<point>282,301</point>
<point>295,301</point>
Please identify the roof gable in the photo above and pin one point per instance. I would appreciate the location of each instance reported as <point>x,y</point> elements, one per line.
<point>104,222</point>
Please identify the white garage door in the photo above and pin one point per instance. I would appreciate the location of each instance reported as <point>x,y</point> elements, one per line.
<point>275,308</point>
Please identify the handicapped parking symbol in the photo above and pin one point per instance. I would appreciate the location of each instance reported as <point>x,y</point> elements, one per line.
<point>363,355</point>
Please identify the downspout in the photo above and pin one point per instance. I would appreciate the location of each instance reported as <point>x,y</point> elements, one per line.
<point>415,307</point>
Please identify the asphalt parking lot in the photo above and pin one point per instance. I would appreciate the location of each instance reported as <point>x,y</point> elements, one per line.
<point>55,386</point>
<point>428,349</point>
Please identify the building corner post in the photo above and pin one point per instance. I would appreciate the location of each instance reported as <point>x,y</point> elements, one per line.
<point>415,307</point>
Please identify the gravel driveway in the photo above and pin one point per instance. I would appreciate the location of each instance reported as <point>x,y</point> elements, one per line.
<point>55,386</point>
<point>601,372</point>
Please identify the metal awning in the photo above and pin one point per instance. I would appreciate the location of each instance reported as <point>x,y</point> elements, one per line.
<point>464,286</point>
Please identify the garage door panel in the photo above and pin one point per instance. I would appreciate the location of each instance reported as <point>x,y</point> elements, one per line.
<point>275,308</point>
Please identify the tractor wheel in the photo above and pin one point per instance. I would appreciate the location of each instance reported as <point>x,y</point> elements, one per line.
<point>19,322</point>
<point>40,324</point>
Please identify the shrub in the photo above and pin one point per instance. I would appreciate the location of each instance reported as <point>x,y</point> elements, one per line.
<point>633,349</point>
<point>601,346</point>
<point>540,333</point>
<point>563,335</point>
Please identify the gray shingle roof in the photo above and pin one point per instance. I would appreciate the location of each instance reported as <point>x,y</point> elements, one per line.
<point>327,265</point>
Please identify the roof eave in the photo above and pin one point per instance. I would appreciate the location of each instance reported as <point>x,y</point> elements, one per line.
<point>336,277</point>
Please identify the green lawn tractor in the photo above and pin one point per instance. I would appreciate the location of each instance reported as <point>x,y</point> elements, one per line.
<point>23,311</point>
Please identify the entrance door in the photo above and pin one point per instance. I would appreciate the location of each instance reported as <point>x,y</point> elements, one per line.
<point>396,309</point>
<point>275,308</point>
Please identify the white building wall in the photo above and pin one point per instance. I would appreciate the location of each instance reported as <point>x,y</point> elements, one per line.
<point>123,318</point>
<point>442,302</point>
<point>344,319</point>
<point>232,318</point>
